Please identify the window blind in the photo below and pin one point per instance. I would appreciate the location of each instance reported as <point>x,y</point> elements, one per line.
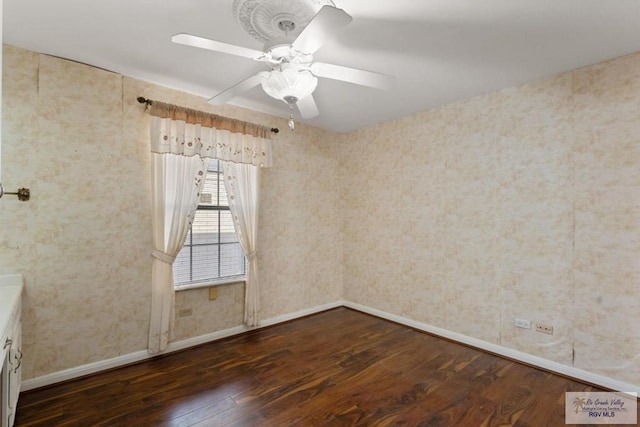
<point>211,250</point>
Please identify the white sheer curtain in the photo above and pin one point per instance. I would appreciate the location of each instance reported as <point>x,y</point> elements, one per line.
<point>242,182</point>
<point>176,181</point>
<point>182,141</point>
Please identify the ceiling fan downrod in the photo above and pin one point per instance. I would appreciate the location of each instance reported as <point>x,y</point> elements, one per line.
<point>286,26</point>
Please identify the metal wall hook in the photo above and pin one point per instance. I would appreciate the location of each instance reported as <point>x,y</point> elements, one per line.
<point>23,193</point>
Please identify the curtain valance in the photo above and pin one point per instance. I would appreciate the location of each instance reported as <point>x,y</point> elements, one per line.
<point>187,115</point>
<point>188,132</point>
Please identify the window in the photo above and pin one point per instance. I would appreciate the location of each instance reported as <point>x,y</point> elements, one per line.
<point>211,251</point>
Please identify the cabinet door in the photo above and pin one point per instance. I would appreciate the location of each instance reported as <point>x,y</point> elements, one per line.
<point>14,371</point>
<point>4,391</point>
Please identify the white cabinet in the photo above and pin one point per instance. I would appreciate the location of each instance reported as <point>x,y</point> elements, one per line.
<point>10,347</point>
<point>13,370</point>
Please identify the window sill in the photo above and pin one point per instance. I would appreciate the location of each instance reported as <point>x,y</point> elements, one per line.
<point>210,283</point>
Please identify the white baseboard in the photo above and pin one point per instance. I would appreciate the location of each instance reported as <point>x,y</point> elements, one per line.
<point>79,371</point>
<point>529,359</point>
<point>138,356</point>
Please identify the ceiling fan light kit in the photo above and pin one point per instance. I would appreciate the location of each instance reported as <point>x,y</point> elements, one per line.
<point>289,84</point>
<point>292,31</point>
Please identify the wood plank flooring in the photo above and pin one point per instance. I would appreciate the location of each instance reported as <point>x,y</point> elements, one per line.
<point>339,367</point>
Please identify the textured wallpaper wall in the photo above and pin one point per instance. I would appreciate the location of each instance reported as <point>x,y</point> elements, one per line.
<point>77,137</point>
<point>521,203</point>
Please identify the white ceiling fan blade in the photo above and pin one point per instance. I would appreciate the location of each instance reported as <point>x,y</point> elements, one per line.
<point>307,107</point>
<point>235,90</point>
<point>327,22</point>
<point>216,46</point>
<point>352,75</point>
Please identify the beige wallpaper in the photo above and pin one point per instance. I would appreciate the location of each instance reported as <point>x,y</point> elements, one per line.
<point>521,203</point>
<point>77,137</point>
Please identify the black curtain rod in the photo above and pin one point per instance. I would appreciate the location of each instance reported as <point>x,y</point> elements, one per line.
<point>143,100</point>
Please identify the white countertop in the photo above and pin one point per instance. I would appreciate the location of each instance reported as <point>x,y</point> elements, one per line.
<point>10,290</point>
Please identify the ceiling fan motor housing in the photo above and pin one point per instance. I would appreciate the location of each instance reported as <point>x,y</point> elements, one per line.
<point>266,20</point>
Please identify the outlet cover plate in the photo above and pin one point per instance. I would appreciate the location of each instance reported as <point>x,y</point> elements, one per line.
<point>185,312</point>
<point>522,323</point>
<point>544,328</point>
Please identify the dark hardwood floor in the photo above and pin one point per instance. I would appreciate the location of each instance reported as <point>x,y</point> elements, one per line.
<point>339,367</point>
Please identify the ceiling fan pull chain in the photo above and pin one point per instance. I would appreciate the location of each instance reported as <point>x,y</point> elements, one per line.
<point>292,124</point>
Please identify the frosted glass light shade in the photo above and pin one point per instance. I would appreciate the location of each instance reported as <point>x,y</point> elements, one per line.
<point>289,85</point>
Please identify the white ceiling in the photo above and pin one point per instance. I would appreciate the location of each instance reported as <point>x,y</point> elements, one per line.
<point>439,50</point>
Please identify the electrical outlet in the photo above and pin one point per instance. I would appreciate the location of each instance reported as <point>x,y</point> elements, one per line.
<point>185,312</point>
<point>545,329</point>
<point>524,324</point>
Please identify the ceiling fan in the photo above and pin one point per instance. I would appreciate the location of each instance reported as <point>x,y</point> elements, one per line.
<point>292,33</point>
